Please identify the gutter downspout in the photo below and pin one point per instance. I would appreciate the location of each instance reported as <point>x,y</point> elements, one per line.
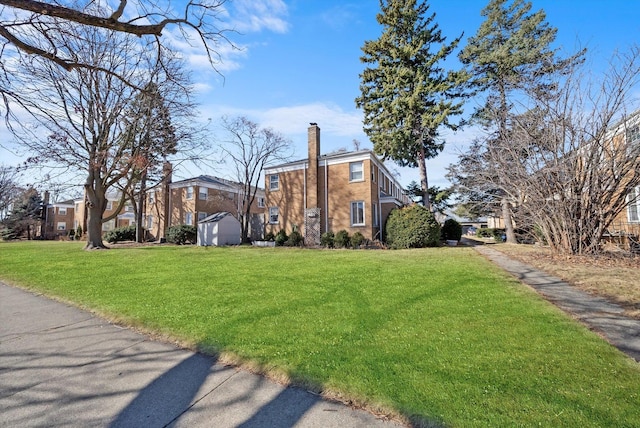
<point>326,198</point>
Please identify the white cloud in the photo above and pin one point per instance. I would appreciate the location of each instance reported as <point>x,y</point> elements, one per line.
<point>257,15</point>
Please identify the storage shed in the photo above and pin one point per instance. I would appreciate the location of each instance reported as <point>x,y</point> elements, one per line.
<point>219,229</point>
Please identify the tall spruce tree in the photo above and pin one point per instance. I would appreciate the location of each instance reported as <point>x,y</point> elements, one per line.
<point>509,56</point>
<point>406,94</point>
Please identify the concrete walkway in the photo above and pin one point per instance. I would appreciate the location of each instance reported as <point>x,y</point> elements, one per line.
<point>61,366</point>
<point>598,314</point>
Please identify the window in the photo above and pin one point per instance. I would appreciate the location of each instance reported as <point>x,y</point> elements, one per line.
<point>357,213</point>
<point>633,210</point>
<point>203,193</point>
<point>201,216</point>
<point>61,225</point>
<point>150,222</point>
<point>273,215</point>
<point>356,171</point>
<point>190,192</point>
<point>128,208</point>
<point>152,197</point>
<point>109,205</point>
<point>274,182</point>
<point>62,211</point>
<point>109,225</point>
<point>260,202</point>
<point>188,219</point>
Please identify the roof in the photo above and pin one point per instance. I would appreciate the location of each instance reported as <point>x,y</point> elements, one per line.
<point>214,218</point>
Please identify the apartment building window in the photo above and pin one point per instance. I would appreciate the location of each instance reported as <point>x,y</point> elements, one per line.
<point>109,205</point>
<point>356,171</point>
<point>128,208</point>
<point>150,222</point>
<point>203,193</point>
<point>62,211</point>
<point>633,210</point>
<point>61,225</point>
<point>274,215</point>
<point>190,192</point>
<point>152,197</point>
<point>202,216</point>
<point>188,219</point>
<point>357,213</point>
<point>260,202</point>
<point>274,182</point>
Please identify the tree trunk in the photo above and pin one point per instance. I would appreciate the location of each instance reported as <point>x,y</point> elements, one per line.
<point>424,182</point>
<point>142,196</point>
<point>96,202</point>
<point>508,222</point>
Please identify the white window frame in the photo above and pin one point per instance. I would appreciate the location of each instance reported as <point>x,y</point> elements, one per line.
<point>260,202</point>
<point>203,191</point>
<point>152,197</point>
<point>150,222</point>
<point>201,216</point>
<point>356,171</point>
<point>376,220</point>
<point>62,210</point>
<point>61,225</point>
<point>189,193</point>
<point>357,206</point>
<point>128,208</point>
<point>109,225</point>
<point>633,209</point>
<point>274,182</point>
<point>188,218</point>
<point>274,215</point>
<point>109,205</point>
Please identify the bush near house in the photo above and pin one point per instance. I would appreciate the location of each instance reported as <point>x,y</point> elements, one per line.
<point>126,233</point>
<point>281,237</point>
<point>451,230</point>
<point>182,234</point>
<point>357,239</point>
<point>342,239</point>
<point>412,227</point>
<point>295,239</point>
<point>327,239</point>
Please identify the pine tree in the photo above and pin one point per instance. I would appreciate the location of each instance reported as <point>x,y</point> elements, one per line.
<point>508,57</point>
<point>406,94</point>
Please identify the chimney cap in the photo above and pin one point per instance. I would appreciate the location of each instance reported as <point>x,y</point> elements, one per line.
<point>313,124</point>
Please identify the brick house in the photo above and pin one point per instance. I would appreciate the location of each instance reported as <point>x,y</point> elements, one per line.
<point>189,201</point>
<point>353,191</point>
<point>58,219</point>
<point>194,199</point>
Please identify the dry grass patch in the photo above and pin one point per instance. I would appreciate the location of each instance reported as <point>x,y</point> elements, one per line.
<point>613,275</point>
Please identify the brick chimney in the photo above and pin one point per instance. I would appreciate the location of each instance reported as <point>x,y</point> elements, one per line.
<point>313,141</point>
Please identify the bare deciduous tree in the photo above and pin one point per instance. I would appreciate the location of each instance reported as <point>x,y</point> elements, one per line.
<point>571,162</point>
<point>34,27</point>
<point>250,148</point>
<point>78,116</point>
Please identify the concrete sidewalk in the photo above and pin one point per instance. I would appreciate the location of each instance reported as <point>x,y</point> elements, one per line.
<point>61,366</point>
<point>598,314</point>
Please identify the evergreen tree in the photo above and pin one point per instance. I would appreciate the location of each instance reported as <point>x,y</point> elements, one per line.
<point>406,94</point>
<point>509,56</point>
<point>27,211</point>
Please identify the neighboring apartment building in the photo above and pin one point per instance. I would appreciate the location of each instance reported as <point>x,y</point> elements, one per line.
<point>193,199</point>
<point>58,219</point>
<point>187,202</point>
<point>353,191</point>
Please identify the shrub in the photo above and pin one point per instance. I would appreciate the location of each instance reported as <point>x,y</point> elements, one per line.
<point>490,233</point>
<point>357,239</point>
<point>342,239</point>
<point>327,239</point>
<point>281,237</point>
<point>412,227</point>
<point>127,233</point>
<point>451,230</point>
<point>182,234</point>
<point>269,237</point>
<point>295,239</point>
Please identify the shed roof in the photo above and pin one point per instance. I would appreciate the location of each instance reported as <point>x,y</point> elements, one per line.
<point>214,218</point>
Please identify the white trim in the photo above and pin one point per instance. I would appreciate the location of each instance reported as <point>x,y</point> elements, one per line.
<point>351,212</point>
<point>285,168</point>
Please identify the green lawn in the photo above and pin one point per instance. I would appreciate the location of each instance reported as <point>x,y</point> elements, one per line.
<point>435,335</point>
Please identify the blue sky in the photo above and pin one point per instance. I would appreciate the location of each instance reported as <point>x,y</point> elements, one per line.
<point>299,62</point>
